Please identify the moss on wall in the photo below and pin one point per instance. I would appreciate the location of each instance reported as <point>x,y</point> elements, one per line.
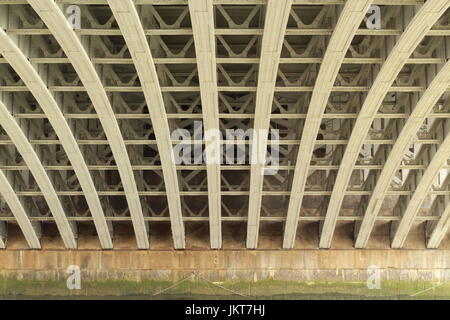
<point>200,289</point>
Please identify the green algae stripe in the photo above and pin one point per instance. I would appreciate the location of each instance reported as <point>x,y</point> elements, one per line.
<point>199,289</point>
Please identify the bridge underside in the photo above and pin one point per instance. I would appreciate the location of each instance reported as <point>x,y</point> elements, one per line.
<point>317,70</point>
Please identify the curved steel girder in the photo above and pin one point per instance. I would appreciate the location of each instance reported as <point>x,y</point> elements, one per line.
<point>426,182</point>
<point>202,19</point>
<point>414,33</point>
<point>12,128</point>
<point>30,230</point>
<point>439,229</point>
<point>129,22</point>
<point>349,21</point>
<point>422,110</point>
<point>34,83</point>
<point>277,16</point>
<point>56,22</point>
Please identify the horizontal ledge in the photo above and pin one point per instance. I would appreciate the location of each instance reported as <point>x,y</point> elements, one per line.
<point>125,61</point>
<point>224,2</point>
<point>227,193</point>
<point>222,167</point>
<point>229,142</point>
<point>220,89</point>
<point>219,31</point>
<point>122,116</point>
<point>223,219</point>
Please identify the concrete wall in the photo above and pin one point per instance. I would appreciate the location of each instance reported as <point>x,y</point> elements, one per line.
<point>298,265</point>
<point>305,263</point>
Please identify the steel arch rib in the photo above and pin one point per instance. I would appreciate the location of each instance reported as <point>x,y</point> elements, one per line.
<point>277,15</point>
<point>12,128</point>
<point>419,195</point>
<point>423,108</point>
<point>56,22</point>
<point>414,33</point>
<point>349,21</point>
<point>129,22</point>
<point>202,19</point>
<point>33,81</point>
<point>440,228</point>
<point>31,231</point>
